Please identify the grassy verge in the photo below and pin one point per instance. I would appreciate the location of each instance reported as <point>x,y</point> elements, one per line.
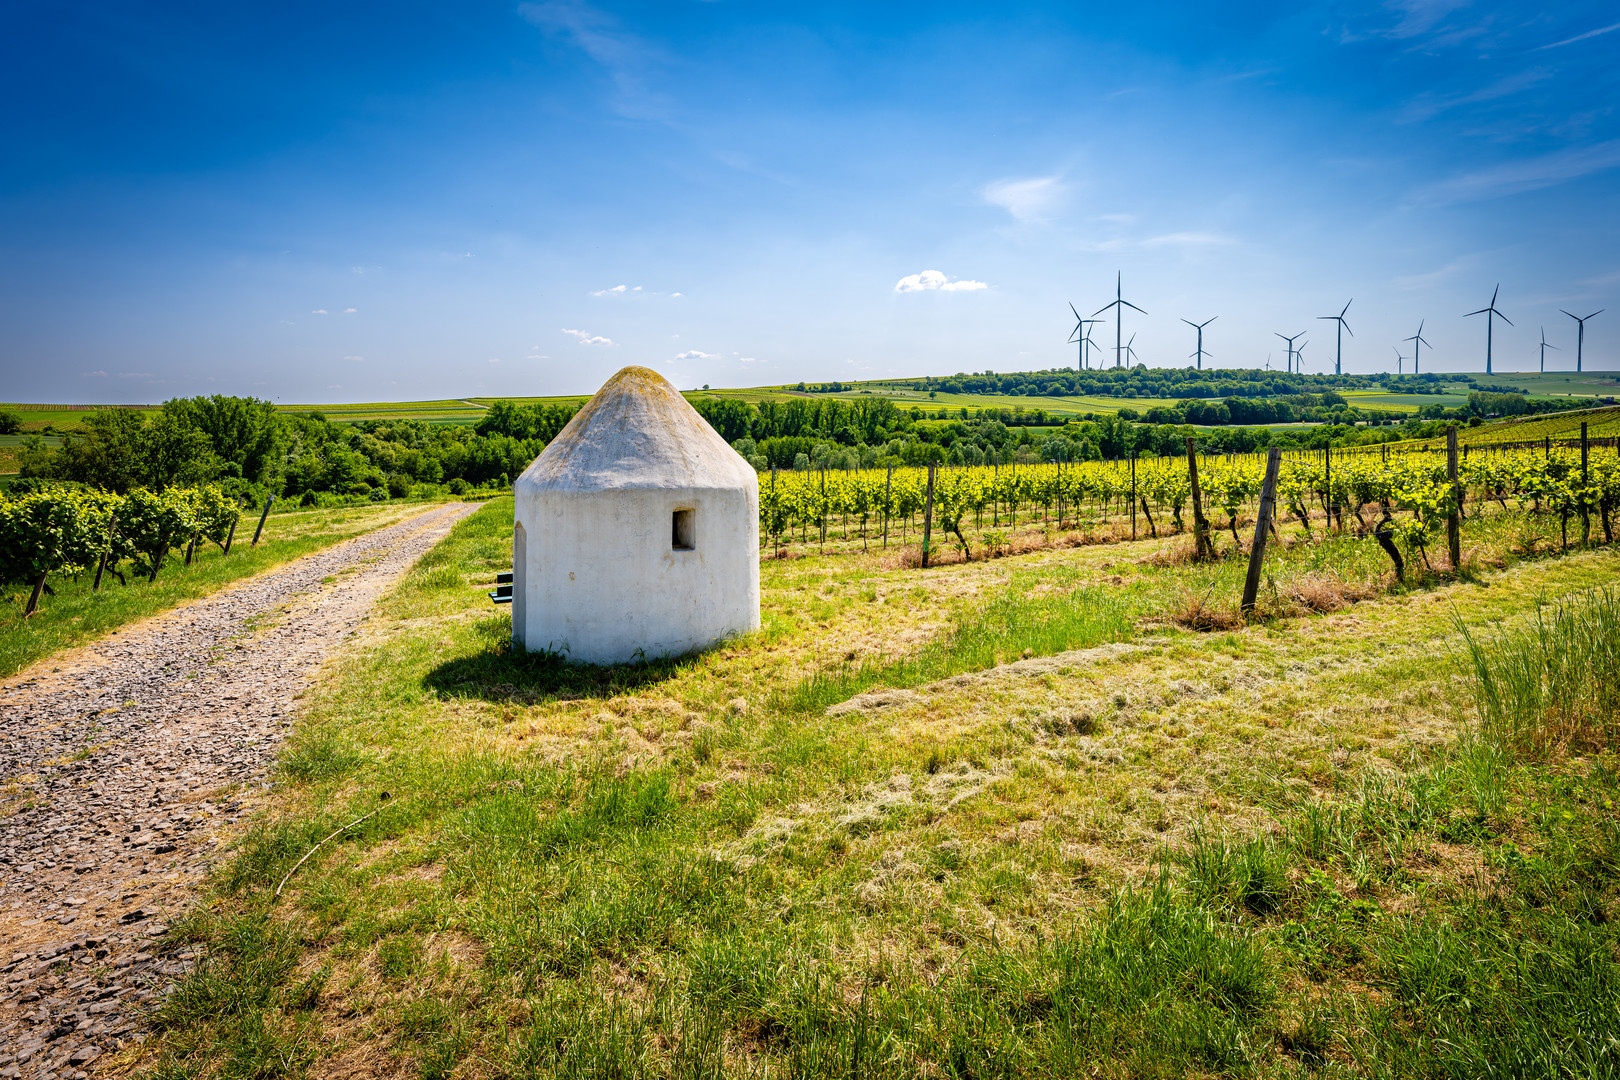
<point>1267,852</point>
<point>75,614</point>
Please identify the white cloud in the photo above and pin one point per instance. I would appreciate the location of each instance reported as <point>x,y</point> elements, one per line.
<point>537,356</point>
<point>930,280</point>
<point>617,290</point>
<point>677,294</point>
<point>356,359</point>
<point>1031,199</point>
<point>748,360</point>
<point>697,354</point>
<point>349,310</point>
<point>319,311</point>
<point>92,374</point>
<point>586,337</point>
<point>1582,37</point>
<point>1517,177</point>
<point>494,359</point>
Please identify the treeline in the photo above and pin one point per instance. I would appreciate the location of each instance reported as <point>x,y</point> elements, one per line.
<point>250,450</point>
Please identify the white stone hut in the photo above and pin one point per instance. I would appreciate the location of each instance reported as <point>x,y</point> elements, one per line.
<point>636,532</point>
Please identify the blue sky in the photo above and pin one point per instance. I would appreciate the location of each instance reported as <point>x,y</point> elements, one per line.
<point>380,202</point>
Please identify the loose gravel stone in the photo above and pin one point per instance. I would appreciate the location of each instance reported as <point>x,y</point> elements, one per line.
<point>125,764</point>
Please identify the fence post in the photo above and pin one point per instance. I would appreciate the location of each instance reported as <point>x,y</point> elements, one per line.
<point>230,536</point>
<point>101,567</point>
<point>928,515</point>
<point>1453,518</point>
<point>191,549</point>
<point>262,516</point>
<point>1327,482</point>
<point>995,491</point>
<point>1200,523</point>
<point>1262,530</point>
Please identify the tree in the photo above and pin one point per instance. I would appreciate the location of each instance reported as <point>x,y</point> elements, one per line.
<point>10,422</point>
<point>240,430</point>
<point>107,455</point>
<point>174,453</point>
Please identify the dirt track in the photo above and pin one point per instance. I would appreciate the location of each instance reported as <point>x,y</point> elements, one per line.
<point>127,758</point>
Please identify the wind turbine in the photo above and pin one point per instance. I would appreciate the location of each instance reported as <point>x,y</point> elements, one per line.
<point>1290,341</point>
<point>1080,336</point>
<point>1545,347</point>
<point>1491,315</point>
<point>1580,335</point>
<point>1416,340</point>
<point>1199,326</point>
<point>1338,356</point>
<point>1121,304</point>
<point>1130,353</point>
<point>1299,357</point>
<point>1398,359</point>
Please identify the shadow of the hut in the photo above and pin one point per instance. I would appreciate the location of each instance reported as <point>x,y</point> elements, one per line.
<point>503,675</point>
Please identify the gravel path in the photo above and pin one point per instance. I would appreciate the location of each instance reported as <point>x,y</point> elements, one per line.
<point>133,757</point>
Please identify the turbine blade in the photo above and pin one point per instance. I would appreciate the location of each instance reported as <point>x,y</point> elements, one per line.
<point>1071,308</point>
<point>1481,311</point>
<point>1128,304</point>
<point>1599,311</point>
<point>1504,318</point>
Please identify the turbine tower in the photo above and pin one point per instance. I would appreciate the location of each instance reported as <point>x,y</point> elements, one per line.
<point>1580,335</point>
<point>1491,315</point>
<point>1199,326</point>
<point>1119,304</point>
<point>1544,347</point>
<point>1338,356</point>
<point>1290,341</point>
<point>1080,335</point>
<point>1417,339</point>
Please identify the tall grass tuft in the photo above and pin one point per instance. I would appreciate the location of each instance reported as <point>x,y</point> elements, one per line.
<point>1554,684</point>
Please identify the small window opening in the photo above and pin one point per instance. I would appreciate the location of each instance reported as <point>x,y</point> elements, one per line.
<point>684,530</point>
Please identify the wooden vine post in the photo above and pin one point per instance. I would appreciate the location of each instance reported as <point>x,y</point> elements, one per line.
<point>1262,530</point>
<point>33,597</point>
<point>824,506</point>
<point>928,515</point>
<point>888,501</point>
<point>230,536</point>
<point>101,566</point>
<point>1454,513</point>
<point>1133,497</point>
<point>262,516</point>
<point>1205,549</point>
<point>1586,516</point>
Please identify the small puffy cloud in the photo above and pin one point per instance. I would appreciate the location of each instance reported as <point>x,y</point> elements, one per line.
<point>585,337</point>
<point>677,294</point>
<point>356,359</point>
<point>319,311</point>
<point>931,280</point>
<point>92,374</point>
<point>349,310</point>
<point>697,354</point>
<point>748,360</point>
<point>617,290</point>
<point>1030,199</point>
<point>494,359</point>
<point>537,356</point>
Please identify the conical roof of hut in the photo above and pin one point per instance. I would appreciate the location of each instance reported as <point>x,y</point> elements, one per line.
<point>638,432</point>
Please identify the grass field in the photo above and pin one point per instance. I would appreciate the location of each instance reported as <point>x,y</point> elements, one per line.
<point>996,819</point>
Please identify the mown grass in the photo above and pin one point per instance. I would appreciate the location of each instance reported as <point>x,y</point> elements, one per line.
<point>75,614</point>
<point>666,875</point>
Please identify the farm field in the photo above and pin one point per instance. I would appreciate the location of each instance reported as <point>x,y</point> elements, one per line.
<point>1601,423</point>
<point>1049,826</point>
<point>1558,383</point>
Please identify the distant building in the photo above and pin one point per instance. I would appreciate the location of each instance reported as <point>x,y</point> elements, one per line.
<point>636,532</point>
